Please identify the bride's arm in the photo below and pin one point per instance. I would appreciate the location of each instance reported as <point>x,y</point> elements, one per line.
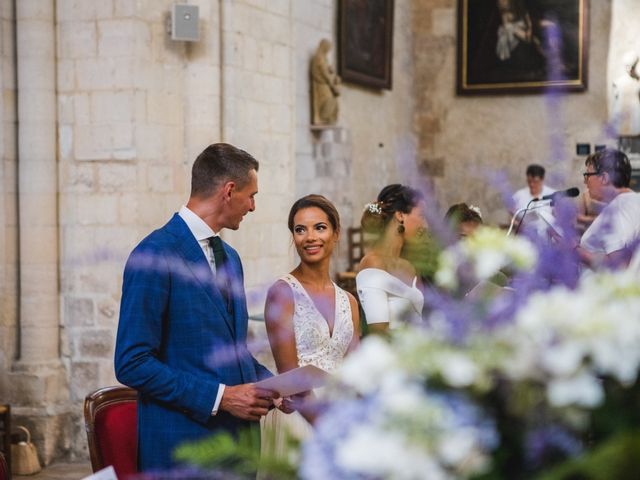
<point>278,318</point>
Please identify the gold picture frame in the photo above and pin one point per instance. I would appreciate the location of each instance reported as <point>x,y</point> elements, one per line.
<point>509,46</point>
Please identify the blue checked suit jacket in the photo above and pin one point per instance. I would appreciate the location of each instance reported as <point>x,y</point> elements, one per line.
<point>177,342</point>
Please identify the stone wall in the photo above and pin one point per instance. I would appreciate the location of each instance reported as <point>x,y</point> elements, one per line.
<point>8,199</point>
<point>465,141</point>
<point>258,96</point>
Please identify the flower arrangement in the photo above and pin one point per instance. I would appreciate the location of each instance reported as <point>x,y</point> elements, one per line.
<point>537,383</point>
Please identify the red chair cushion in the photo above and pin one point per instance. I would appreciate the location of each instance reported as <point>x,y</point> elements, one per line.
<point>4,469</point>
<point>116,430</point>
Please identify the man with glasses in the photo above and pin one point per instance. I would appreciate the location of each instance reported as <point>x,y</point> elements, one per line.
<point>615,233</point>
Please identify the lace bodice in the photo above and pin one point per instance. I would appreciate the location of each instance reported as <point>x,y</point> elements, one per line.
<point>314,344</point>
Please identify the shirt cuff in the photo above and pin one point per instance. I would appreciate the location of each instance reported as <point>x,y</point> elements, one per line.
<point>216,405</point>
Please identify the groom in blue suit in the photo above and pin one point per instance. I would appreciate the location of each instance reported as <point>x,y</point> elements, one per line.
<point>183,318</point>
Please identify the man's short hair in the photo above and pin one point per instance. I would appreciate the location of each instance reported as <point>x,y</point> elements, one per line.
<point>615,163</point>
<point>535,170</point>
<point>220,163</point>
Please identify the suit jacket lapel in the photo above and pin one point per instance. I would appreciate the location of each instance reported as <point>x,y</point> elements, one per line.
<point>198,266</point>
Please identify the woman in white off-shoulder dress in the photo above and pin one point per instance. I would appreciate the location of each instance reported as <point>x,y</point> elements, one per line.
<point>387,284</point>
<point>309,319</point>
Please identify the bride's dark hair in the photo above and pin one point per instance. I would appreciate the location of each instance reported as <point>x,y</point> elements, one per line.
<point>317,201</point>
<point>391,199</point>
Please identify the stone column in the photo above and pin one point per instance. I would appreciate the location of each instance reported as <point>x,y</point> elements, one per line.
<point>38,381</point>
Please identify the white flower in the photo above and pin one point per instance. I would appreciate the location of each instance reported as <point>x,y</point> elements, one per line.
<point>583,390</point>
<point>563,359</point>
<point>457,369</point>
<point>405,400</point>
<point>487,251</point>
<point>385,453</point>
<point>459,446</point>
<point>365,369</point>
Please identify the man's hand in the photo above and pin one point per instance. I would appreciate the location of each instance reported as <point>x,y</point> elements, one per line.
<point>247,401</point>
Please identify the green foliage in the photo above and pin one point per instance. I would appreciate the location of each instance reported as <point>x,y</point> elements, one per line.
<point>423,254</point>
<point>241,455</point>
<point>618,458</point>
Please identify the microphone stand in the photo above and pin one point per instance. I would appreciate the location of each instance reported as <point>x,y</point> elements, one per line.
<point>525,210</point>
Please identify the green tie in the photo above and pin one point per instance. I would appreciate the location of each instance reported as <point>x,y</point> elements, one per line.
<point>220,258</point>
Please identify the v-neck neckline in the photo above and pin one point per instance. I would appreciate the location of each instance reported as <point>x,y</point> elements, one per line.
<point>331,329</point>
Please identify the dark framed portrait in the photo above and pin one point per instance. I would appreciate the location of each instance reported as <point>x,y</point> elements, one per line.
<point>366,42</point>
<point>522,46</point>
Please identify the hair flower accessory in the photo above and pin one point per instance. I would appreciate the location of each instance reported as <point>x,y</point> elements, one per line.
<point>476,209</point>
<point>373,207</point>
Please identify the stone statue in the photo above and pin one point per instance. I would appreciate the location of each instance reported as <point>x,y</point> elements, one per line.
<point>324,87</point>
<point>625,102</point>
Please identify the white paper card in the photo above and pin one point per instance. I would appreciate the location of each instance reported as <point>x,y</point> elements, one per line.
<point>298,380</point>
<point>107,473</point>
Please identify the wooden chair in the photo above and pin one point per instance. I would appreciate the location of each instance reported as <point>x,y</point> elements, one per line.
<point>355,251</point>
<point>356,247</point>
<point>5,432</point>
<point>111,422</point>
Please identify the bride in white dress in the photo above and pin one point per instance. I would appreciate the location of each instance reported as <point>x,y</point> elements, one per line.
<point>387,284</point>
<point>309,319</point>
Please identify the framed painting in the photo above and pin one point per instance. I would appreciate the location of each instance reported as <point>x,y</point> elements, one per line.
<point>522,46</point>
<point>365,36</point>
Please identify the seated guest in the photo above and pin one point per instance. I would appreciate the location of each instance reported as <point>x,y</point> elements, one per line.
<point>463,219</point>
<point>535,189</point>
<point>613,235</point>
<point>387,283</point>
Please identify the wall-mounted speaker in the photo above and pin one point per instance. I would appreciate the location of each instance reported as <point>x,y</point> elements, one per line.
<point>184,23</point>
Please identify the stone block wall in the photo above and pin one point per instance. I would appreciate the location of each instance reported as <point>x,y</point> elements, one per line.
<point>8,198</point>
<point>258,105</point>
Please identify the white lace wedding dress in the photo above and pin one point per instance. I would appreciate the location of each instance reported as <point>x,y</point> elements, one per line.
<point>315,345</point>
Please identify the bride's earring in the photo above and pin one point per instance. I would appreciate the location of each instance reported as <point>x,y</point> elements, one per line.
<point>401,227</point>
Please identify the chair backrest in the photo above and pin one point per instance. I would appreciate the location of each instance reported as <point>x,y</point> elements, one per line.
<point>356,247</point>
<point>111,422</point>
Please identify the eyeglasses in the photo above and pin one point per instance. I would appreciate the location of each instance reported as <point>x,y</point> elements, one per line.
<point>586,175</point>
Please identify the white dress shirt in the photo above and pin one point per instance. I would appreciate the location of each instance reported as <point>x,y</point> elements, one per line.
<point>202,232</point>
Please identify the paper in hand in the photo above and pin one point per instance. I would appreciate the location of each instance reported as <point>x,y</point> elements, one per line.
<point>298,380</point>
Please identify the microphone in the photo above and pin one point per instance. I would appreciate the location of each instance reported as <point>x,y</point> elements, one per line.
<point>569,192</point>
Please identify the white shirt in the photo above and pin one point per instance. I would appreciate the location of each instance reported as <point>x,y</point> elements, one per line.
<point>522,198</point>
<point>202,232</point>
<point>617,226</point>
